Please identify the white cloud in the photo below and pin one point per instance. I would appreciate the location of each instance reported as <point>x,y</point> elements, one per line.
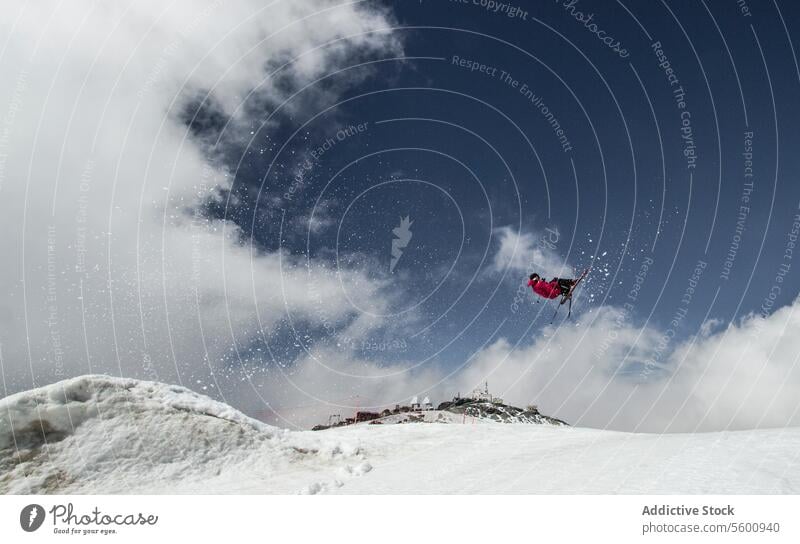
<point>106,268</point>
<point>338,381</point>
<point>599,373</point>
<point>602,373</point>
<point>526,252</point>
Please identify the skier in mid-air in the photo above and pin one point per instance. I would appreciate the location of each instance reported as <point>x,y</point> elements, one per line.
<point>557,287</point>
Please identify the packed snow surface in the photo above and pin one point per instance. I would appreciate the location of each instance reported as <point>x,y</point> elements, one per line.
<point>97,434</point>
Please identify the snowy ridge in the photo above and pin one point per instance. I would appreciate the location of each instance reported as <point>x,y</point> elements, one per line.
<point>469,412</point>
<point>499,413</point>
<point>102,434</point>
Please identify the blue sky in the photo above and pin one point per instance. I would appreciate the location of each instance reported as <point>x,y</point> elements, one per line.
<point>463,152</point>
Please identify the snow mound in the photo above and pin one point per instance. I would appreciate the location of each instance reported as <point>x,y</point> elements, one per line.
<point>50,413</point>
<point>97,433</point>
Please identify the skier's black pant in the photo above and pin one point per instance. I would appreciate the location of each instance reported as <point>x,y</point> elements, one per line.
<point>565,285</point>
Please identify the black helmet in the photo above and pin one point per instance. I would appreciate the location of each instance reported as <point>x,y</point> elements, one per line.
<point>534,275</point>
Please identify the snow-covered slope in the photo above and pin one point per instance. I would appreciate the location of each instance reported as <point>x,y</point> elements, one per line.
<point>500,459</point>
<point>97,434</point>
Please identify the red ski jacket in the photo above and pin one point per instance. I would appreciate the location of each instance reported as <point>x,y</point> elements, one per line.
<point>546,289</point>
